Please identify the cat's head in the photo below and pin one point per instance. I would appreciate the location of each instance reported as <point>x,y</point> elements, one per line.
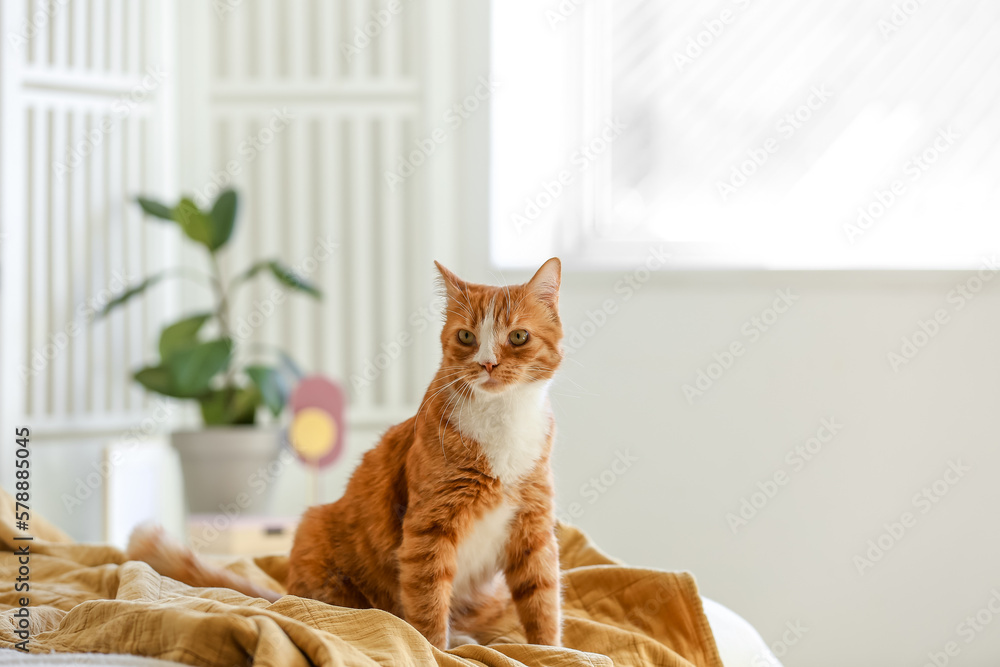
<point>496,338</point>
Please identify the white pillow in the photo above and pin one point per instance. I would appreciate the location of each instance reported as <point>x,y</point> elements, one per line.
<point>739,644</point>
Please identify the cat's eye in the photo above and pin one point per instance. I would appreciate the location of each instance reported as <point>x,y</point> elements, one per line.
<point>466,337</point>
<point>518,337</point>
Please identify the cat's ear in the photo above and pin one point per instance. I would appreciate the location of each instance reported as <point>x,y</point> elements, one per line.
<point>453,285</point>
<point>545,283</point>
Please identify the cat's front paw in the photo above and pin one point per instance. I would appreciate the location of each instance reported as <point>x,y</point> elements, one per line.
<point>549,638</point>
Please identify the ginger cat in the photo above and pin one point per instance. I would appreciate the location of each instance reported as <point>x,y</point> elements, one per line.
<point>451,515</point>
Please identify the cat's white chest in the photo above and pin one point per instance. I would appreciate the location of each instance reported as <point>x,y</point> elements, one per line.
<point>511,429</point>
<point>481,552</point>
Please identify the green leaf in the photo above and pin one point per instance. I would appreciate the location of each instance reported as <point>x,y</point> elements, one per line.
<point>192,368</point>
<point>213,408</point>
<point>157,379</point>
<point>181,334</point>
<point>272,386</point>
<point>243,405</point>
<point>155,208</point>
<point>230,405</point>
<point>283,274</point>
<point>194,222</point>
<point>129,293</point>
<point>291,279</point>
<point>255,268</point>
<point>223,218</point>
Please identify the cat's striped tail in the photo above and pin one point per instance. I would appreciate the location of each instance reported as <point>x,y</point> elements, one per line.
<point>150,544</point>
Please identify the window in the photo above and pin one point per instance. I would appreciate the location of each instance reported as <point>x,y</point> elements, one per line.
<point>793,134</point>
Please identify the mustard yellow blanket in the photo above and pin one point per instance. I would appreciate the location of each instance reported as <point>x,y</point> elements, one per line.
<point>88,598</point>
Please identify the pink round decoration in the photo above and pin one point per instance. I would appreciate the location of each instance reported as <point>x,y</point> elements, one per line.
<point>317,391</point>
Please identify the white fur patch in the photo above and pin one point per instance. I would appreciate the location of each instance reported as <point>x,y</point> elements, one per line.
<point>481,552</point>
<point>487,339</point>
<point>511,427</point>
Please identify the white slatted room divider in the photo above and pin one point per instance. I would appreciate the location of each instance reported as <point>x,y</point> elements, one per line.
<point>85,111</point>
<point>347,110</point>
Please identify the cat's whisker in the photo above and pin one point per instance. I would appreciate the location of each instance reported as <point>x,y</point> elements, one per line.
<point>583,390</point>
<point>468,301</point>
<point>456,397</point>
<point>452,398</point>
<point>465,306</point>
<point>442,378</point>
<point>465,402</point>
<point>441,389</point>
<point>429,399</point>
<point>456,371</point>
<point>443,373</point>
<point>560,379</point>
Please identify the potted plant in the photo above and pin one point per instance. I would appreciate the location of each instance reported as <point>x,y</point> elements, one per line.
<point>201,361</point>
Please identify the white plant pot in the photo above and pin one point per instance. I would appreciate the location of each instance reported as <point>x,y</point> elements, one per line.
<point>225,468</point>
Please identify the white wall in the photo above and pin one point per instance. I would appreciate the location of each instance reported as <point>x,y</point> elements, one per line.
<point>825,357</point>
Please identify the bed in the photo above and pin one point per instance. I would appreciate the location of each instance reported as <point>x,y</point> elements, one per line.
<point>88,599</point>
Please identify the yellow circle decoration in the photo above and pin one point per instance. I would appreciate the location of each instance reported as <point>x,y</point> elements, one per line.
<point>313,432</point>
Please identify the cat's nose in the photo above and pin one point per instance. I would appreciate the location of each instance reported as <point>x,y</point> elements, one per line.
<point>488,366</point>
